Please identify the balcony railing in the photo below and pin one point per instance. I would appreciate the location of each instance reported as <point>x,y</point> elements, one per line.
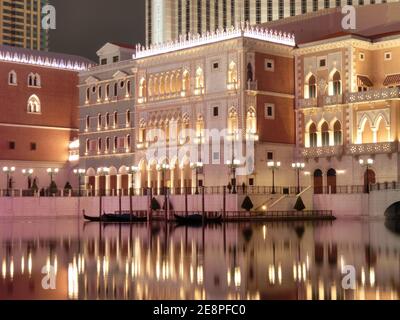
<point>372,148</point>
<point>332,100</point>
<point>317,152</point>
<point>308,103</point>
<point>373,95</point>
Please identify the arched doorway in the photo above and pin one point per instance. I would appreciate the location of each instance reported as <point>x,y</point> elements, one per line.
<point>369,178</point>
<point>102,185</point>
<point>331,180</point>
<point>318,183</point>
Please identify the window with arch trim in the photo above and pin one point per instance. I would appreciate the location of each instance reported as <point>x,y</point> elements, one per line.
<point>34,104</point>
<point>312,87</point>
<point>325,134</point>
<point>336,84</point>
<point>12,78</point>
<point>313,135</point>
<point>337,133</point>
<point>34,80</point>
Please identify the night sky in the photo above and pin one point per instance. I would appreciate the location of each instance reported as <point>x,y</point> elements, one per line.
<point>83,26</point>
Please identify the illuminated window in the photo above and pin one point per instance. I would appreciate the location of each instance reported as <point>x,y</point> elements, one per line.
<point>12,78</point>
<point>34,104</point>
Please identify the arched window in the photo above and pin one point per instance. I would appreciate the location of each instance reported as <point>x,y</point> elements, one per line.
<point>107,144</point>
<point>87,122</point>
<point>36,80</point>
<point>155,88</point>
<point>107,117</point>
<point>115,143</point>
<point>34,104</point>
<point>115,119</point>
<point>99,93</point>
<point>99,145</point>
<point>313,135</point>
<point>128,88</point>
<point>128,117</point>
<point>142,87</point>
<point>12,78</point>
<point>336,84</point>
<point>128,141</point>
<point>312,87</point>
<point>381,131</point>
<point>251,121</point>
<point>331,180</point>
<point>167,88</point>
<point>30,79</point>
<point>325,134</point>
<point>107,91</point>
<point>87,94</point>
<point>199,78</point>
<point>185,82</point>
<point>232,121</point>
<point>99,121</point>
<point>115,89</point>
<point>87,145</point>
<point>161,89</point>
<point>249,72</point>
<point>232,73</point>
<point>337,133</point>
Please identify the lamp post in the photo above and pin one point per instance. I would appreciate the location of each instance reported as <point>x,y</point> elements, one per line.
<point>298,166</point>
<point>52,172</point>
<point>367,164</point>
<point>162,168</point>
<point>80,173</point>
<point>28,174</point>
<point>197,166</point>
<point>233,164</point>
<point>272,165</point>
<point>132,171</point>
<point>8,171</point>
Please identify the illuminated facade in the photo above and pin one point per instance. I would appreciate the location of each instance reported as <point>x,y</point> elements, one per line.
<point>232,82</point>
<point>347,109</point>
<point>21,24</point>
<point>106,119</point>
<point>38,115</point>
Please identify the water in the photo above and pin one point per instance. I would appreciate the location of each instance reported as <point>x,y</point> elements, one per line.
<point>246,261</point>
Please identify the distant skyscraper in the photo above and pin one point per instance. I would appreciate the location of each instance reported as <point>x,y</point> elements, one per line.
<point>167,19</point>
<point>21,24</point>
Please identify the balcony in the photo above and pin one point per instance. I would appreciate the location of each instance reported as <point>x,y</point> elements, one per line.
<point>322,152</point>
<point>308,103</point>
<point>372,148</point>
<point>373,95</point>
<point>332,100</point>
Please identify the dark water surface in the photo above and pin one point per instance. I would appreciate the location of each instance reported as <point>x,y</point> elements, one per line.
<point>246,261</point>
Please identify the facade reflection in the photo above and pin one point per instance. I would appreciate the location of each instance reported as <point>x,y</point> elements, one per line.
<point>247,261</point>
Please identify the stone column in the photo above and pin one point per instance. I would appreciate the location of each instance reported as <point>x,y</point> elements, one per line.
<point>108,185</point>
<point>172,176</point>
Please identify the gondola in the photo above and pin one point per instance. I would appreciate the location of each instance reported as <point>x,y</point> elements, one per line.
<point>115,218</point>
<point>197,219</point>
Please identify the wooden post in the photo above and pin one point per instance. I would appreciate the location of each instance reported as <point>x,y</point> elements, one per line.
<point>167,191</point>
<point>186,202</point>
<point>130,203</point>
<point>150,212</point>
<point>120,202</point>
<point>203,209</point>
<point>224,204</point>
<point>100,205</point>
<point>166,205</point>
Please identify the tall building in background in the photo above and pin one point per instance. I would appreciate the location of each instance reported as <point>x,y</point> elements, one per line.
<point>167,19</point>
<point>21,24</point>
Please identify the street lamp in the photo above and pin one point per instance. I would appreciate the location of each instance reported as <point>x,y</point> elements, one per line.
<point>233,164</point>
<point>272,165</point>
<point>52,172</point>
<point>163,167</point>
<point>298,166</point>
<point>8,171</point>
<point>28,173</point>
<point>133,170</point>
<point>197,166</point>
<point>367,164</point>
<point>80,173</point>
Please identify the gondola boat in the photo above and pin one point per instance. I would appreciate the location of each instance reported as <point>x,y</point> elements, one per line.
<point>197,219</point>
<point>115,218</point>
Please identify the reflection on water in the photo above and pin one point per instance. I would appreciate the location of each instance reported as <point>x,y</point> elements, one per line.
<point>247,261</point>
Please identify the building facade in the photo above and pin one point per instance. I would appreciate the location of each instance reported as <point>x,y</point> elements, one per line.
<point>166,20</point>
<point>38,119</point>
<point>222,101</point>
<point>106,120</point>
<point>347,110</point>
<point>21,24</point>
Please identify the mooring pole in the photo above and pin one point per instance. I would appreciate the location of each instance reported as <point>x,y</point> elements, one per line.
<point>166,205</point>
<point>130,203</point>
<point>203,205</point>
<point>100,205</point>
<point>120,201</point>
<point>186,202</point>
<point>150,212</point>
<point>224,204</point>
<point>168,208</point>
